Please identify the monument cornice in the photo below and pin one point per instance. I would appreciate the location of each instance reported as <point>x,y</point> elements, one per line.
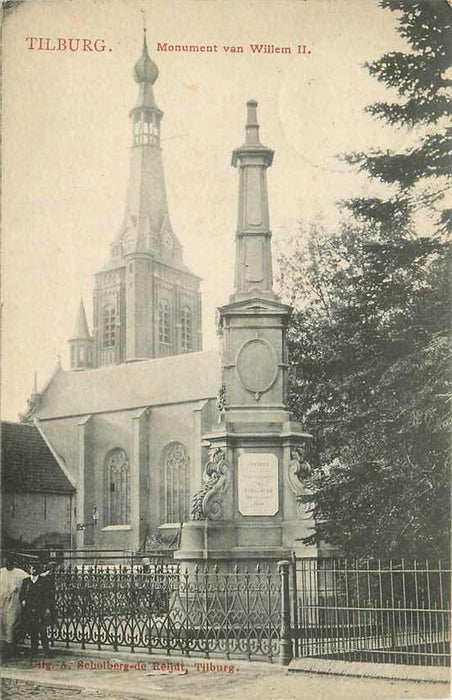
<point>253,305</point>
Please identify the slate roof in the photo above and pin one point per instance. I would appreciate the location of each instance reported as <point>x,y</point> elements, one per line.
<point>28,465</point>
<point>164,380</point>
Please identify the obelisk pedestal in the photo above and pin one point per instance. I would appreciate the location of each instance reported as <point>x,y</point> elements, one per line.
<point>248,510</point>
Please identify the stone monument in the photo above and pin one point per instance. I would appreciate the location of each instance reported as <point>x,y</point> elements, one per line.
<point>250,508</point>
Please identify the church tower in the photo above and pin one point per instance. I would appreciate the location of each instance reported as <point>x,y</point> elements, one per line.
<point>146,302</point>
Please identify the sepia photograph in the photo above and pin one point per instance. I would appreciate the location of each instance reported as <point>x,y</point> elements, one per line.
<point>225,349</point>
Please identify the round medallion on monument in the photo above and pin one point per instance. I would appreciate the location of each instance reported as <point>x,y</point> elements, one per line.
<point>257,366</point>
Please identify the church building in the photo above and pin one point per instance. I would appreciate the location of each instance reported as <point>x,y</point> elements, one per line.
<point>127,418</point>
<point>130,421</point>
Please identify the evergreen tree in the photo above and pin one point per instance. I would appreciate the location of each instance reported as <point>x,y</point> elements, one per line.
<point>370,353</point>
<point>421,77</point>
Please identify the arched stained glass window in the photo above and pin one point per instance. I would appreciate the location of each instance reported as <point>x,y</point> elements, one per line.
<point>108,326</point>
<point>117,487</point>
<point>164,322</point>
<point>176,464</point>
<point>186,330</point>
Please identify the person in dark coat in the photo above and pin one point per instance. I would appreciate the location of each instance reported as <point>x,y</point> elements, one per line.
<point>35,597</point>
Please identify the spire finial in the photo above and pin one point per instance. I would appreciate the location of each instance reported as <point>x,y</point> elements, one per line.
<point>252,113</point>
<point>35,383</point>
<point>143,17</point>
<point>145,70</point>
<point>252,127</point>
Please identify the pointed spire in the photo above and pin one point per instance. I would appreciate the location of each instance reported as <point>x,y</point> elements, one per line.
<point>81,331</point>
<point>146,226</point>
<point>81,343</point>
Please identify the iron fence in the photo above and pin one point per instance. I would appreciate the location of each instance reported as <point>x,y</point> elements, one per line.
<point>166,608</point>
<point>357,610</point>
<point>369,610</point>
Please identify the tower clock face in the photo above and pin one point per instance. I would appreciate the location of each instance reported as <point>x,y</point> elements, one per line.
<point>127,240</point>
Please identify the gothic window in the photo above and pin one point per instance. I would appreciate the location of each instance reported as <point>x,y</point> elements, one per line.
<point>117,488</point>
<point>108,326</point>
<point>186,330</point>
<point>164,321</point>
<point>176,469</point>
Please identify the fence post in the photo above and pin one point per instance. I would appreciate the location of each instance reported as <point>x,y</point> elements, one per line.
<point>295,619</point>
<point>285,642</point>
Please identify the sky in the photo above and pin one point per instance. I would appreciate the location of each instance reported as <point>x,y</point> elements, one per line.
<point>67,136</point>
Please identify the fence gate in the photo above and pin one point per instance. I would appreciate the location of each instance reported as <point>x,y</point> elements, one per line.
<point>369,610</point>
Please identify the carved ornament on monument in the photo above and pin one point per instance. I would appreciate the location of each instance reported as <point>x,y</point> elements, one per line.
<point>299,472</point>
<point>207,503</point>
<point>221,399</point>
<point>257,366</point>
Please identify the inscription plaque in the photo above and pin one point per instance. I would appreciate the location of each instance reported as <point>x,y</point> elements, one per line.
<point>258,484</point>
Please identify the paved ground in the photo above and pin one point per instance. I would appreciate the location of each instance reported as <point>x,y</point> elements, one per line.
<point>125,677</point>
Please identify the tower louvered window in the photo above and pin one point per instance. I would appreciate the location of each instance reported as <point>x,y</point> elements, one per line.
<point>145,133</point>
<point>117,486</point>
<point>164,322</point>
<point>186,330</point>
<point>108,326</point>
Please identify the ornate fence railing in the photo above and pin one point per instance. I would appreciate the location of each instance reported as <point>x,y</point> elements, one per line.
<point>171,609</point>
<point>369,610</point>
<point>356,610</point>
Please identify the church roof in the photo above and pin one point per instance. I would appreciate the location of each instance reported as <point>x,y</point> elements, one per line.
<point>164,380</point>
<point>28,463</point>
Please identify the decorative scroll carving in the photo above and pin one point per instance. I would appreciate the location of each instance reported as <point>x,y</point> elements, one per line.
<point>207,503</point>
<point>221,400</point>
<point>299,473</point>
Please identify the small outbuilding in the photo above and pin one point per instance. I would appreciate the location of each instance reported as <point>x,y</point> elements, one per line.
<point>37,490</point>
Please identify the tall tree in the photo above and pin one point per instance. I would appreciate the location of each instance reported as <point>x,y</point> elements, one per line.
<point>421,76</point>
<point>369,338</point>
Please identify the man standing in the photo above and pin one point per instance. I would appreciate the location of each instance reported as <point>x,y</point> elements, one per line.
<point>10,585</point>
<point>35,596</point>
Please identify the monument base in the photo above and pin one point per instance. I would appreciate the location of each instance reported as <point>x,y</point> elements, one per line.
<point>218,543</point>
